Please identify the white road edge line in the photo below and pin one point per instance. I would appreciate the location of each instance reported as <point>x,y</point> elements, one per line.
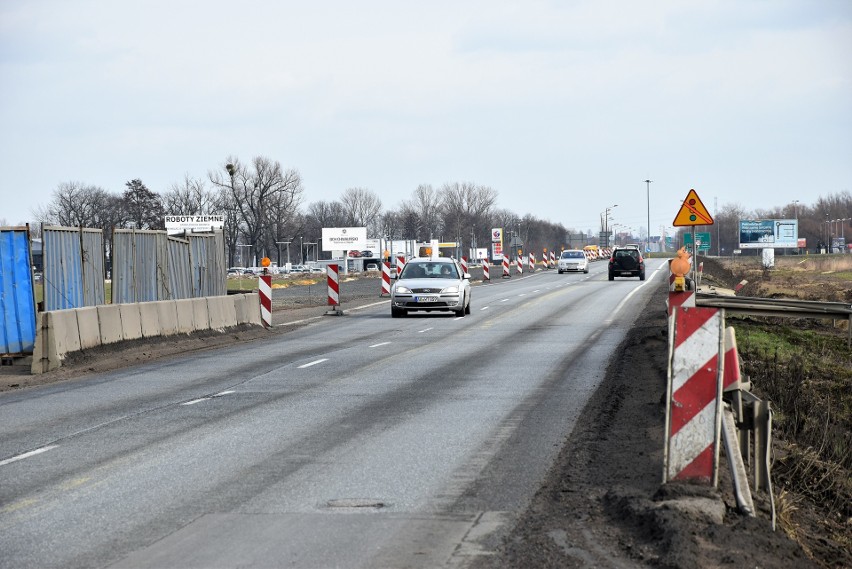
<point>194,401</point>
<point>27,455</point>
<point>380,344</point>
<point>225,393</point>
<point>483,308</point>
<point>313,363</point>
<point>424,330</point>
<point>504,300</point>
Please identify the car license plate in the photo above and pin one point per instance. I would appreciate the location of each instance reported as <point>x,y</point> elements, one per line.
<point>425,299</point>
<point>626,273</point>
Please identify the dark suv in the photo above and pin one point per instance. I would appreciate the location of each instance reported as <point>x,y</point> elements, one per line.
<point>626,262</point>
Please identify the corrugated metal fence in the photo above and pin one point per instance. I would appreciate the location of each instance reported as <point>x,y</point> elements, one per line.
<point>150,265</point>
<point>17,301</point>
<point>73,267</point>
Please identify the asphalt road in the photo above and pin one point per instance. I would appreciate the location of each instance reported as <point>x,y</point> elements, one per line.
<point>354,441</point>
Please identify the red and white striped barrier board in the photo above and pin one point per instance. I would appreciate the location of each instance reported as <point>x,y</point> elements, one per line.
<point>264,289</point>
<point>506,273</point>
<point>400,262</point>
<point>552,259</point>
<point>333,285</point>
<point>733,374</point>
<point>532,262</point>
<point>385,278</point>
<point>486,270</point>
<point>694,409</point>
<point>464,265</point>
<point>685,298</point>
<point>520,265</point>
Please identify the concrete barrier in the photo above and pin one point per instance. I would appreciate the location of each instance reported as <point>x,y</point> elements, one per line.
<point>56,335</point>
<point>60,332</point>
<point>200,315</point>
<point>149,317</point>
<point>109,319</point>
<point>89,327</point>
<point>131,321</point>
<point>167,314</point>
<point>218,313</point>
<point>185,315</point>
<point>251,303</point>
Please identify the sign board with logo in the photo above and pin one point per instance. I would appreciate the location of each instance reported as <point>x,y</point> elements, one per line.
<point>497,243</point>
<point>197,223</point>
<point>769,234</point>
<point>344,238</point>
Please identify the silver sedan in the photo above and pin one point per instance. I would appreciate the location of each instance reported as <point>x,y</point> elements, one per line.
<point>431,284</point>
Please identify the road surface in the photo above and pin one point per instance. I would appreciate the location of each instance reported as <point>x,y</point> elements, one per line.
<point>355,441</point>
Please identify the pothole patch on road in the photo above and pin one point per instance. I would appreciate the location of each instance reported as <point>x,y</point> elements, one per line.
<point>359,503</point>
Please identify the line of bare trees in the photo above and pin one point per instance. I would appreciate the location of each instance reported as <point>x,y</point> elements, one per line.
<point>263,207</point>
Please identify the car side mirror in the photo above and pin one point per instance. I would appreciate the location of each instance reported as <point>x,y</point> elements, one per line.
<point>466,276</point>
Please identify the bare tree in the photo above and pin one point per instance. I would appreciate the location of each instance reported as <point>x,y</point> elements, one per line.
<point>465,209</point>
<point>190,197</point>
<point>262,193</point>
<point>74,204</point>
<point>363,208</point>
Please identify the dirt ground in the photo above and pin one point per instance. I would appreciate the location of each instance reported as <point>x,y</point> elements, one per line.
<point>602,503</point>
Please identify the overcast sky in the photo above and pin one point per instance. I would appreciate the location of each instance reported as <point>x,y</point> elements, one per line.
<point>564,108</point>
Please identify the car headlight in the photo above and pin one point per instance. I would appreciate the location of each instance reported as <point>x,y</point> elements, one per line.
<point>451,290</point>
<point>402,290</point>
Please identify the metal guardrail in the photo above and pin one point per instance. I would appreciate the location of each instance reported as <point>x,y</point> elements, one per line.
<point>783,307</point>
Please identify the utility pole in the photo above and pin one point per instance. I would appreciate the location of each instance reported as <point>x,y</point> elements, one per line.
<point>648,238</point>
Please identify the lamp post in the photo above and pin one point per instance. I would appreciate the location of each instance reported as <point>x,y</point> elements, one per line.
<point>287,243</point>
<point>606,224</point>
<point>648,238</point>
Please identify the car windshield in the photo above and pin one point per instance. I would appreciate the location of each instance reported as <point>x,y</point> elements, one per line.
<point>429,271</point>
<point>573,255</point>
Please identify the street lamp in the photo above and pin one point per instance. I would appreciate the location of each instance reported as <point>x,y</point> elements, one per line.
<point>796,208</point>
<point>242,258</point>
<point>287,243</point>
<point>648,238</point>
<point>606,224</point>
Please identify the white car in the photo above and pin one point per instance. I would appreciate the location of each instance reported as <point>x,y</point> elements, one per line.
<point>431,284</point>
<point>573,260</point>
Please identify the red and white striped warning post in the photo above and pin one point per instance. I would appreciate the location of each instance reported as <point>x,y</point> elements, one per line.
<point>506,273</point>
<point>740,285</point>
<point>552,260</point>
<point>464,264</point>
<point>694,396</point>
<point>400,262</point>
<point>333,289</point>
<point>386,278</point>
<point>486,275</point>
<point>520,265</point>
<point>532,262</point>
<point>264,289</point>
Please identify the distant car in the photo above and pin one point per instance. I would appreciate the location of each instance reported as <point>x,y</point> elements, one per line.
<point>431,284</point>
<point>368,254</point>
<point>298,269</point>
<point>317,270</point>
<point>355,254</point>
<point>573,260</point>
<point>626,262</point>
<point>372,267</point>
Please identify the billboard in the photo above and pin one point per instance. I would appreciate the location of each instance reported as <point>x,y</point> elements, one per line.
<point>769,234</point>
<point>344,238</point>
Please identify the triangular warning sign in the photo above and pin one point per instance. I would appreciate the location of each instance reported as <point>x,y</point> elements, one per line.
<point>692,212</point>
